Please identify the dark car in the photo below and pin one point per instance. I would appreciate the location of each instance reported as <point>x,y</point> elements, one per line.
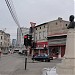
<point>42,57</point>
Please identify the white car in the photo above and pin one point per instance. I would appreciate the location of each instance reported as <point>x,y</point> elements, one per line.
<point>20,51</point>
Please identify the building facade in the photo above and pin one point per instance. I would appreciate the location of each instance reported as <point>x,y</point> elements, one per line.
<point>4,41</point>
<point>39,35</point>
<point>52,37</point>
<point>14,43</point>
<point>57,33</point>
<point>20,36</point>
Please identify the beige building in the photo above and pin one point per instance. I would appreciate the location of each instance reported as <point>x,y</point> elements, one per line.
<point>57,33</point>
<point>41,33</point>
<point>57,26</point>
<point>39,36</point>
<point>4,40</point>
<point>46,35</point>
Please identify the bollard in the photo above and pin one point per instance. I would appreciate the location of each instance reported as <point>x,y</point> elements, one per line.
<point>25,63</point>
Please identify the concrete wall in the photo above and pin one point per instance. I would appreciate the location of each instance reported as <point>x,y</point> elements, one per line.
<point>57,26</point>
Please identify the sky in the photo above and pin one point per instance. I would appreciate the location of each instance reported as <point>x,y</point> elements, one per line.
<point>38,11</point>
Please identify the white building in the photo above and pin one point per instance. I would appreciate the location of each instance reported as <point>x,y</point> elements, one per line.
<point>20,35</point>
<point>14,42</point>
<point>4,40</point>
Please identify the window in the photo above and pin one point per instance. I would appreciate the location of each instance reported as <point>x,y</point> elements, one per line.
<point>1,43</point>
<point>8,44</point>
<point>56,23</point>
<point>44,26</point>
<point>36,28</point>
<point>39,35</point>
<point>66,24</point>
<point>8,40</point>
<point>22,34</point>
<point>36,36</point>
<point>40,27</point>
<point>44,34</point>
<point>1,37</point>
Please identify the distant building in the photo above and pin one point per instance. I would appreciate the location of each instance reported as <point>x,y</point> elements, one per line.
<point>20,35</point>
<point>14,42</point>
<point>4,41</point>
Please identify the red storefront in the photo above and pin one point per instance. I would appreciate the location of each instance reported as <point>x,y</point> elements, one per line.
<point>41,47</point>
<point>56,45</point>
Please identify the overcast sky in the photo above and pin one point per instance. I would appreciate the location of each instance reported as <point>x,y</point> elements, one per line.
<point>38,11</point>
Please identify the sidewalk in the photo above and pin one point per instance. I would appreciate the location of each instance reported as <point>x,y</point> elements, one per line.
<point>33,68</point>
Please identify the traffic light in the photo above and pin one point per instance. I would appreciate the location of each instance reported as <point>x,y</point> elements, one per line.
<point>26,40</point>
<point>29,40</point>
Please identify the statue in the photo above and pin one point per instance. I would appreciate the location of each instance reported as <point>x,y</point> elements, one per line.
<point>72,23</point>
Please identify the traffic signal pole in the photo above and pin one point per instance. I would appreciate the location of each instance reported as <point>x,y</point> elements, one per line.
<point>27,42</point>
<point>26,57</point>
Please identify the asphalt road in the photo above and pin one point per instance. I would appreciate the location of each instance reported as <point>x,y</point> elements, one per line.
<point>13,64</point>
<point>8,63</point>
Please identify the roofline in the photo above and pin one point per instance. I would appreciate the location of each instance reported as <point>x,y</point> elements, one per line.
<point>50,22</point>
<point>41,24</point>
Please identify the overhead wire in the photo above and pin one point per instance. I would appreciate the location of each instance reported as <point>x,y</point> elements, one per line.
<point>12,11</point>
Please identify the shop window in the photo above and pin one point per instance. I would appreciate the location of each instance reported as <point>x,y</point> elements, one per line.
<point>55,50</point>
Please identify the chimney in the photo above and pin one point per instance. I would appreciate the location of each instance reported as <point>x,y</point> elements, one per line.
<point>59,18</point>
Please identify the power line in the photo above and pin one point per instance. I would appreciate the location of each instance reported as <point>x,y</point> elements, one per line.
<point>12,11</point>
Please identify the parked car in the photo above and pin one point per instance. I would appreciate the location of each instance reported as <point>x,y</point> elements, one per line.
<point>41,57</point>
<point>23,52</point>
<point>5,52</point>
<point>16,50</point>
<point>20,51</point>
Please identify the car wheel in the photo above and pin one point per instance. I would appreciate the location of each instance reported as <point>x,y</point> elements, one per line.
<point>48,60</point>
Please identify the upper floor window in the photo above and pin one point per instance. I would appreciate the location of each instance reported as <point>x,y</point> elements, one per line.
<point>44,26</point>
<point>8,44</point>
<point>36,28</point>
<point>56,23</point>
<point>8,40</point>
<point>39,35</point>
<point>40,27</point>
<point>44,34</point>
<point>1,43</point>
<point>66,24</point>
<point>1,37</point>
<point>36,36</point>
